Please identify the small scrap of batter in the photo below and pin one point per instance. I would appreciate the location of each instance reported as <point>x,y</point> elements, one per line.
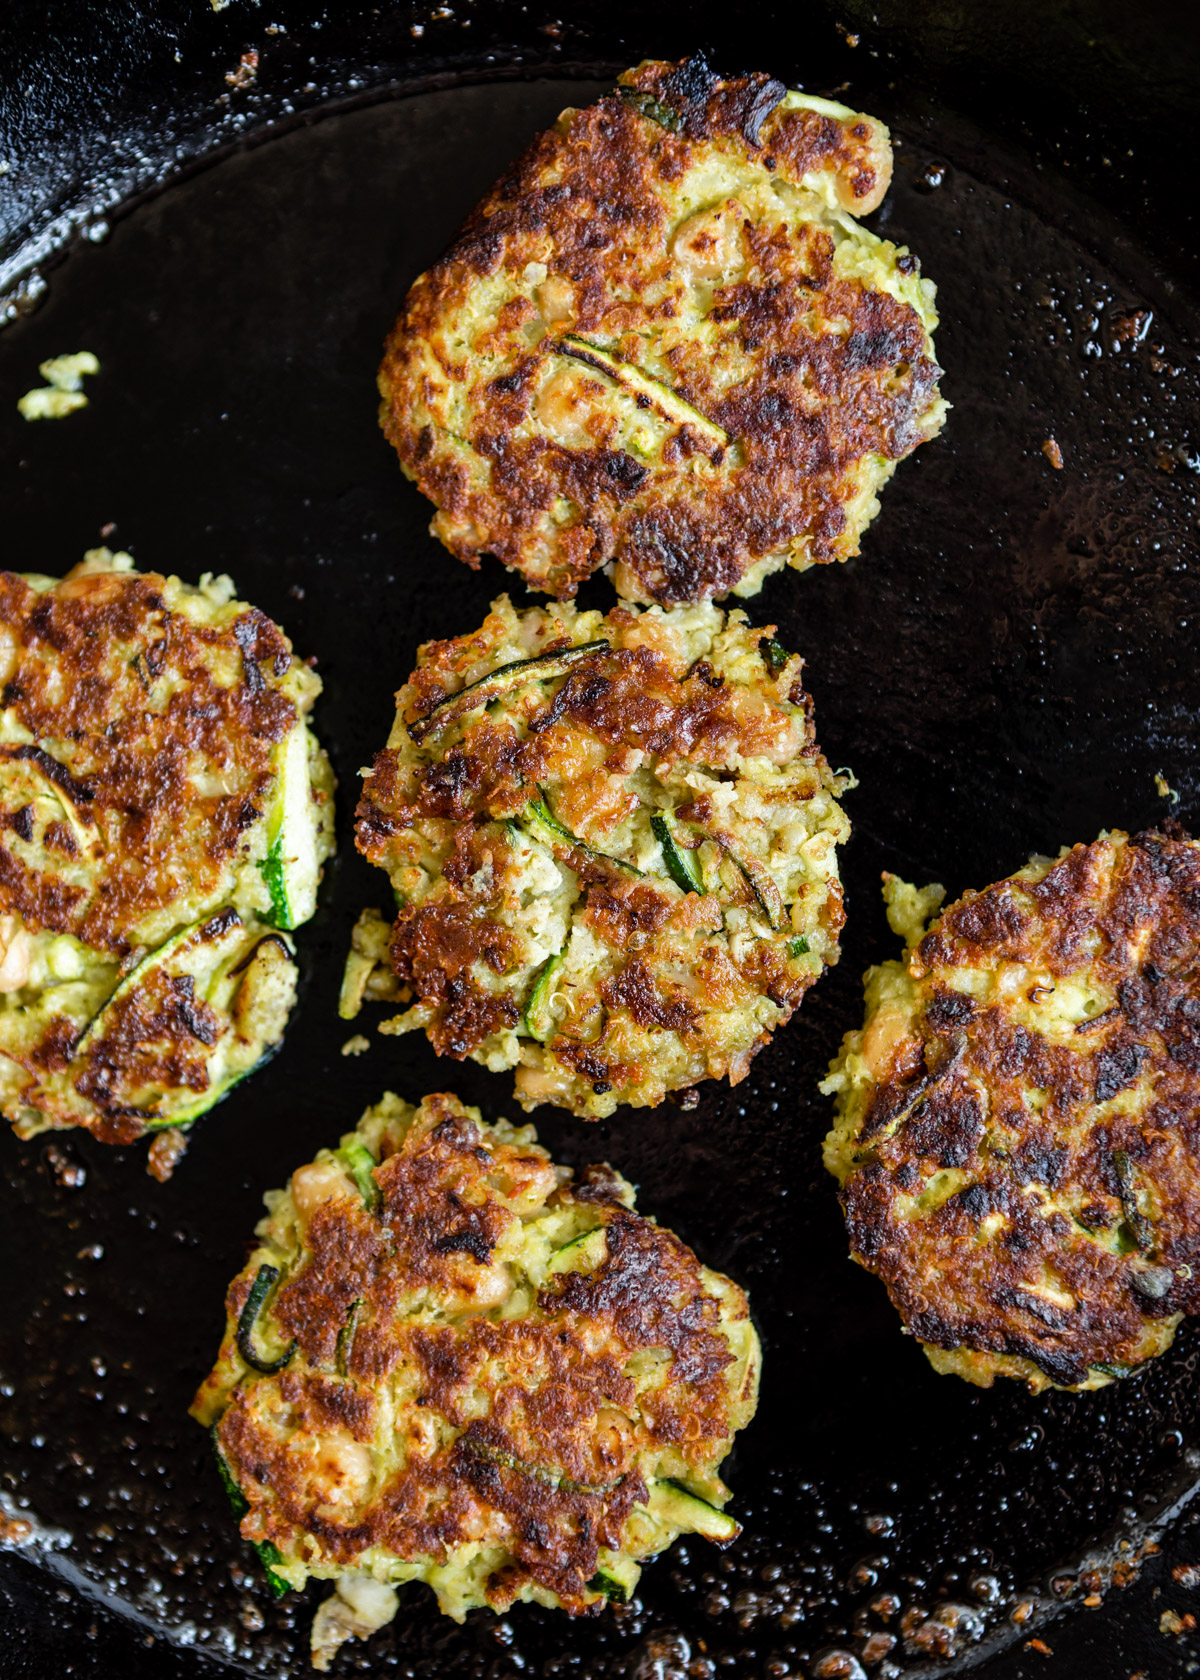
<point>63,391</point>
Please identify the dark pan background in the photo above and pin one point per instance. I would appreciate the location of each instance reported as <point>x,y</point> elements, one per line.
<point>1006,667</point>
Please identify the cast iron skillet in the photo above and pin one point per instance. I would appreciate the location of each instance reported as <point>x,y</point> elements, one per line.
<point>1006,668</point>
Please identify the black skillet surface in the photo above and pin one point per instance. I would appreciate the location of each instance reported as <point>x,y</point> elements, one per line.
<point>1006,668</point>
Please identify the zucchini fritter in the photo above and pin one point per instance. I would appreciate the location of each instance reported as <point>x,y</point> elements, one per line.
<point>663,341</point>
<point>164,812</point>
<point>613,845</point>
<point>445,1362</point>
<point>1016,1138</point>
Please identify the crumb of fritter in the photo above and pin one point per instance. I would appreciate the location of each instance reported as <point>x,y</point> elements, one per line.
<point>63,391</point>
<point>613,845</point>
<point>663,344</point>
<point>1015,1138</point>
<point>164,814</point>
<point>447,1361</point>
<point>166,1151</point>
<point>368,976</point>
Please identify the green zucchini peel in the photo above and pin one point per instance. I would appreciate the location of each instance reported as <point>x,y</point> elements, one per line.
<point>548,1477</point>
<point>539,821</point>
<point>360,1164</point>
<point>541,668</point>
<point>291,868</point>
<point>652,109</point>
<point>271,870</point>
<point>605,1581</point>
<point>775,657</point>
<point>546,826</point>
<point>236,1497</point>
<point>645,389</point>
<point>265,1280</point>
<point>537,1019</point>
<point>760,882</point>
<point>1139,1226</point>
<point>590,1246</point>
<point>688,1511</point>
<point>268,1553</point>
<point>681,864</point>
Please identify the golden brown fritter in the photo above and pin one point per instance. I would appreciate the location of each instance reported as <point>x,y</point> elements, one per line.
<point>467,1370</point>
<point>662,341</point>
<point>613,843</point>
<point>1017,1137</point>
<point>157,729</point>
<point>163,807</point>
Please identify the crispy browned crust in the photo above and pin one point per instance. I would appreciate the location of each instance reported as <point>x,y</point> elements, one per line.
<point>744,109</point>
<point>617,700</point>
<point>1116,1141</point>
<point>158,1037</point>
<point>94,663</point>
<point>550,1469</point>
<point>838,373</point>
